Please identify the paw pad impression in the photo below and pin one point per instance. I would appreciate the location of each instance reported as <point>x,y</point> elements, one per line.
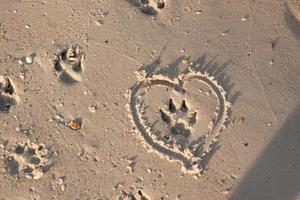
<point>30,160</point>
<point>69,64</point>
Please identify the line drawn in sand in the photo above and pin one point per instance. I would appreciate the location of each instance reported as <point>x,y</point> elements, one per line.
<point>29,160</point>
<point>8,96</point>
<point>69,64</point>
<point>180,118</point>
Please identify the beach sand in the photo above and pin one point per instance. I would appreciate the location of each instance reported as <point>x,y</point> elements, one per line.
<point>157,99</point>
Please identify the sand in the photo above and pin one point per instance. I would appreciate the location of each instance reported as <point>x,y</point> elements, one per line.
<point>157,99</point>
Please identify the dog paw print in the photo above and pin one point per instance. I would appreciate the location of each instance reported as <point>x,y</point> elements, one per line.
<point>151,7</point>
<point>132,195</point>
<point>28,160</point>
<point>69,64</point>
<point>179,121</point>
<point>8,97</point>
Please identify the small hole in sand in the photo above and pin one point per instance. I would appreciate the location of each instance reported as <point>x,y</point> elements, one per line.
<point>161,4</point>
<point>28,170</point>
<point>35,160</point>
<point>20,149</point>
<point>31,151</point>
<point>40,147</point>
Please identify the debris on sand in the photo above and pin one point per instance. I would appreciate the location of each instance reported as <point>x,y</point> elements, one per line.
<point>75,124</point>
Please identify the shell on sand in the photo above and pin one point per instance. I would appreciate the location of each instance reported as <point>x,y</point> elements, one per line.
<point>294,7</point>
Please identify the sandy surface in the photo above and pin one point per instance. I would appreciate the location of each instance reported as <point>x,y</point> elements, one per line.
<point>119,116</point>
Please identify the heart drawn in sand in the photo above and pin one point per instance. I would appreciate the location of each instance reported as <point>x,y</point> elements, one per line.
<point>180,118</point>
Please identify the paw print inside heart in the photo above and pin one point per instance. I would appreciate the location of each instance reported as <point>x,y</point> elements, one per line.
<point>181,116</point>
<point>179,120</point>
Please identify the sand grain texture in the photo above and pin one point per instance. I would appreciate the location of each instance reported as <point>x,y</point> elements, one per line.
<point>72,101</point>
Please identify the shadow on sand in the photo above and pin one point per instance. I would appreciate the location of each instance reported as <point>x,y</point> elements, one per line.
<point>276,173</point>
<point>202,64</point>
<point>292,22</point>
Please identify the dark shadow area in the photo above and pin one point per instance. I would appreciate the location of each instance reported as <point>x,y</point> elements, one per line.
<point>65,78</point>
<point>201,64</point>
<point>135,3</point>
<point>276,173</point>
<point>12,166</point>
<point>292,23</point>
<point>6,102</point>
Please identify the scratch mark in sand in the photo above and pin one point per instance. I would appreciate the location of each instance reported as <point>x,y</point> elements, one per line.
<point>86,23</point>
<point>251,28</point>
<point>127,56</point>
<point>118,52</point>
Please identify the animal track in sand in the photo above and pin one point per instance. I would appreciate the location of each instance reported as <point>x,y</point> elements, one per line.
<point>152,7</point>
<point>8,97</point>
<point>30,160</point>
<point>179,122</point>
<point>136,195</point>
<point>69,64</point>
<point>180,118</point>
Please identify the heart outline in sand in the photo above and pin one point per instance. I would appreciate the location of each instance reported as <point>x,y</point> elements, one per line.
<point>191,163</point>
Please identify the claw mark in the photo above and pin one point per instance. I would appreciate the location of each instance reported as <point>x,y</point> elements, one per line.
<point>184,108</point>
<point>8,88</point>
<point>172,106</point>
<point>193,118</point>
<point>165,117</point>
<point>8,97</point>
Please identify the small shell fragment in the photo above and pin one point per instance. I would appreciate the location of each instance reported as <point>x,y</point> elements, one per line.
<point>28,175</point>
<point>80,152</point>
<point>74,125</point>
<point>63,187</point>
<point>58,118</point>
<point>92,109</point>
<point>62,184</point>
<point>29,59</point>
<point>245,18</point>
<point>37,174</point>
<point>20,62</point>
